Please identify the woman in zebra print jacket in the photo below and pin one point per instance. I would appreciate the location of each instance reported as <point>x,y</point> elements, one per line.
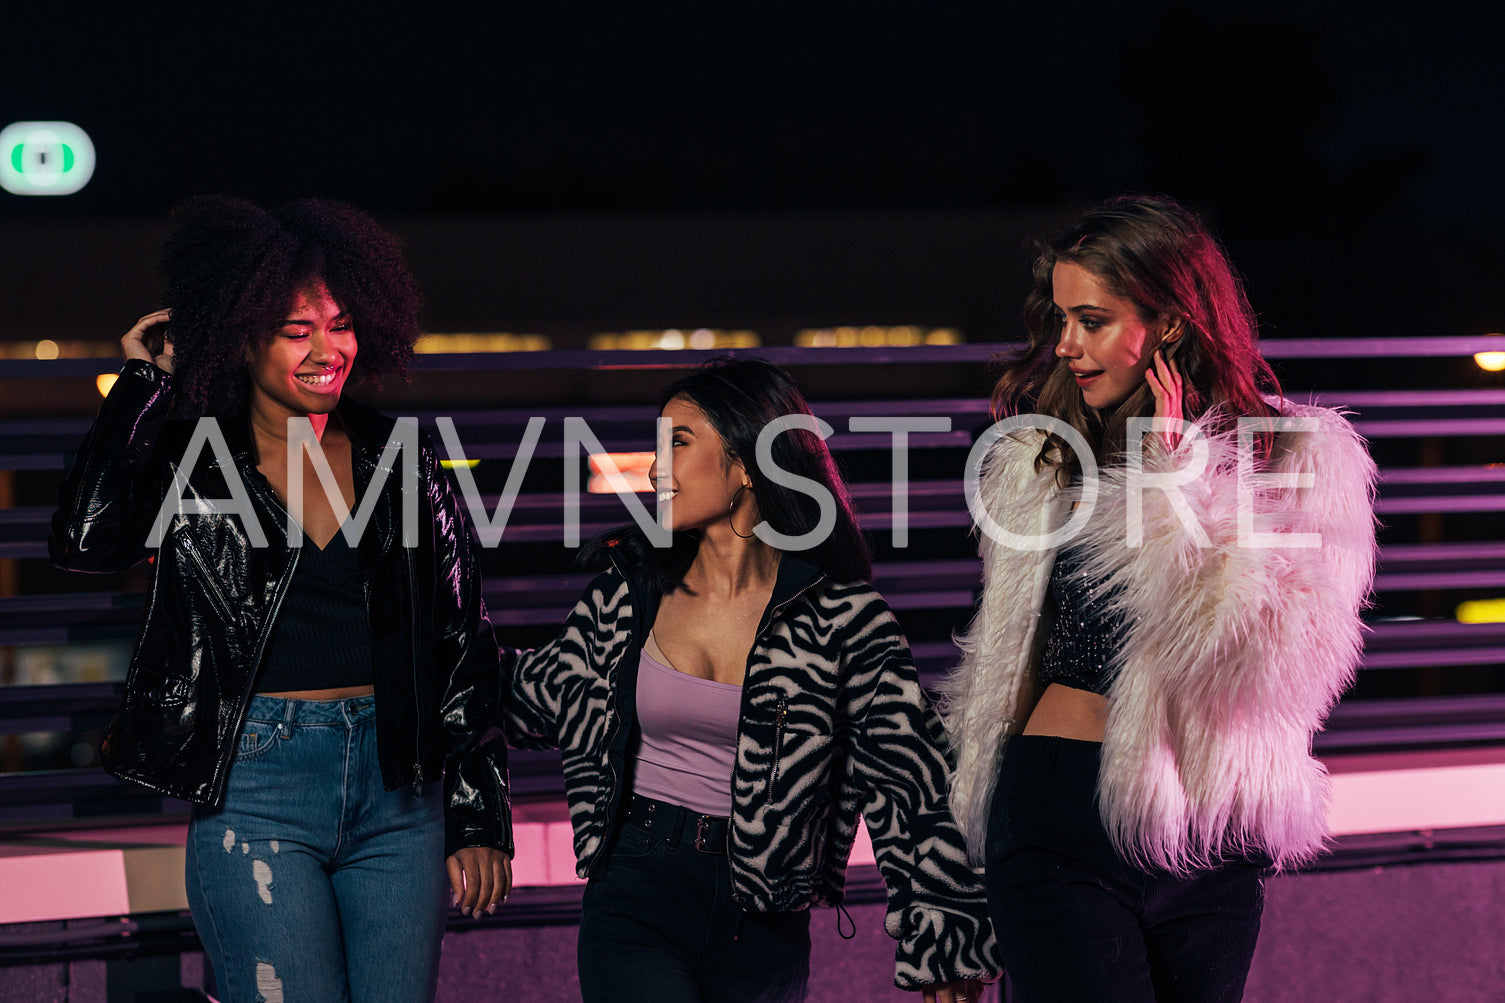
<point>726,708</point>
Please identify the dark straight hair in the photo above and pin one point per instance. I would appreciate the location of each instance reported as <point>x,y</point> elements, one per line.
<point>739,397</point>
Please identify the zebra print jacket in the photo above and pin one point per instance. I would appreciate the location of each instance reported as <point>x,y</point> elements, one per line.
<point>833,722</point>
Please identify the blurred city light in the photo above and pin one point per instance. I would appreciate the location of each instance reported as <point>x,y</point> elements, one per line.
<point>45,158</point>
<point>465,344</point>
<point>673,339</point>
<point>876,336</point>
<point>1492,362</point>
<point>632,468</point>
<point>1481,611</point>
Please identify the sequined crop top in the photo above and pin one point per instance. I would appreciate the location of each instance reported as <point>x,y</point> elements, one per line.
<point>1085,637</point>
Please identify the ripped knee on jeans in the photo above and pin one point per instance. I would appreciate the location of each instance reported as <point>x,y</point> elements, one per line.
<point>268,985</point>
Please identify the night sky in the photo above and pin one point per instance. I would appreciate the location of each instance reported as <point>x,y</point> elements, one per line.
<point>1286,122</point>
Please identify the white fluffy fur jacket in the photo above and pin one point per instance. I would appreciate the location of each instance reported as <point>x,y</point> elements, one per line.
<point>1237,641</point>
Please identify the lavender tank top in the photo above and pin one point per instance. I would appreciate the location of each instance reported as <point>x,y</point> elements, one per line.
<point>688,742</point>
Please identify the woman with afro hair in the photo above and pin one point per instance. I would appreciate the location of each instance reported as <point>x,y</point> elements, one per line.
<point>320,694</point>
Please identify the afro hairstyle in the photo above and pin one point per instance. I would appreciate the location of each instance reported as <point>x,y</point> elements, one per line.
<point>232,268</point>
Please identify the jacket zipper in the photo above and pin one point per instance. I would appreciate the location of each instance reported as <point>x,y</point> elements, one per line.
<point>780,716</point>
<point>417,703</point>
<point>781,709</point>
<point>245,698</point>
<point>210,582</point>
<point>781,712</point>
<point>613,718</point>
<point>362,463</point>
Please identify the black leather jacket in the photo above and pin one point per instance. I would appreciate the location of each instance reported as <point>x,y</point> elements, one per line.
<point>215,596</point>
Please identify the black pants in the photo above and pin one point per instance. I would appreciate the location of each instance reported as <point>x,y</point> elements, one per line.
<point>1078,924</point>
<point>659,924</point>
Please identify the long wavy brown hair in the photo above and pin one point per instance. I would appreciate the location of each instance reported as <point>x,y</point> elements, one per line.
<point>1159,256</point>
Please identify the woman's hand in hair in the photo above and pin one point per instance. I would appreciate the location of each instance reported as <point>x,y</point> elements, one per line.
<point>138,344</point>
<point>481,879</point>
<point>1165,383</point>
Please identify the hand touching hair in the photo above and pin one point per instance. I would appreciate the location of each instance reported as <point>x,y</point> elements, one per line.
<point>232,268</point>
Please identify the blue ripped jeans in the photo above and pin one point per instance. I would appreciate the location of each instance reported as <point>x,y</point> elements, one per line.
<point>313,883</point>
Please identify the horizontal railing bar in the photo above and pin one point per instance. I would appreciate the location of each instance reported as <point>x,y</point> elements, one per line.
<point>1443,397</point>
<point>1399,736</point>
<point>1443,708</point>
<point>1419,427</point>
<point>1439,580</point>
<point>1375,348</point>
<point>1482,549</point>
<point>1406,722</point>
<point>1433,658</point>
<point>70,429</point>
<point>1393,576</point>
<point>32,515</point>
<point>1400,632</point>
<point>1422,504</point>
<point>1389,644</point>
<point>978,352</point>
<point>1442,475</point>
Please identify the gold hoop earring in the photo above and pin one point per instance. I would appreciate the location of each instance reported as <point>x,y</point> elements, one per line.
<point>731,512</point>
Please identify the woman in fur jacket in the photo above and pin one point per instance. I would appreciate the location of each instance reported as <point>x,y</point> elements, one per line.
<point>1175,559</point>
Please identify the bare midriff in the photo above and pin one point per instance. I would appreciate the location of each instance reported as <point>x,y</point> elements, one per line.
<point>1066,712</point>
<point>338,693</point>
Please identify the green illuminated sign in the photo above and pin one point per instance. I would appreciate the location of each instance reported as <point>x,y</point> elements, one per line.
<point>45,158</point>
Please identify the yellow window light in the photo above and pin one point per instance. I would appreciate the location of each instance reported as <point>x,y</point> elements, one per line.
<point>1490,362</point>
<point>1481,611</point>
<point>673,339</point>
<point>480,342</point>
<point>466,463</point>
<point>48,349</point>
<point>876,336</point>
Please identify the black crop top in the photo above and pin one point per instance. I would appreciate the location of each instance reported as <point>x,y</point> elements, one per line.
<point>322,639</point>
<point>1085,637</point>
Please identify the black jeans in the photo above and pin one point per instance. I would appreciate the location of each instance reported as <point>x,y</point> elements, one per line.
<point>659,924</point>
<point>1078,924</point>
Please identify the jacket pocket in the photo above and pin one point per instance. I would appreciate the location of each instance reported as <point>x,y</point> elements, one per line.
<point>797,770</point>
<point>151,686</point>
<point>256,738</point>
<point>210,582</point>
